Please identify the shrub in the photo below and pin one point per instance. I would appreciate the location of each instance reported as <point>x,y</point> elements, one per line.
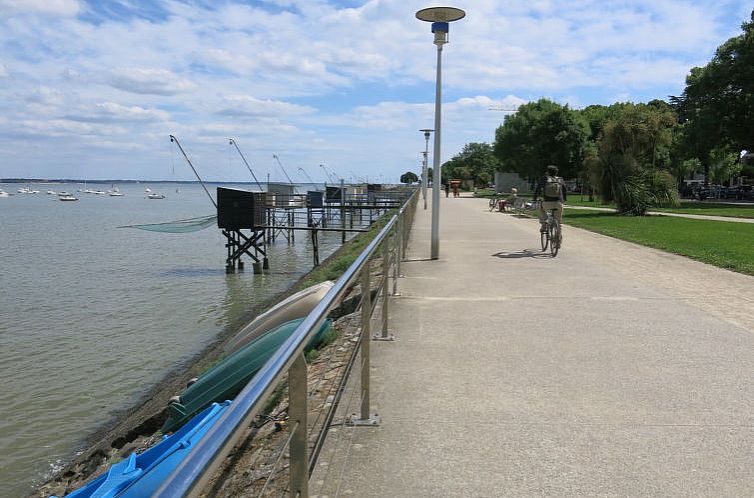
<point>636,193</point>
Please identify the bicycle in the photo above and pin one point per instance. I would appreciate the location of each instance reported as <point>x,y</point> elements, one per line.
<point>493,202</point>
<point>499,203</point>
<point>552,236</point>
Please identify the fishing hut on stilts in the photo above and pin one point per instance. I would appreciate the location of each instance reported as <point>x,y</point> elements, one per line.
<point>251,220</point>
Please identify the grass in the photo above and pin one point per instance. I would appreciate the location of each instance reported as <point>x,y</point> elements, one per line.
<point>724,244</point>
<point>686,207</point>
<point>339,262</point>
<point>711,209</point>
<point>578,200</point>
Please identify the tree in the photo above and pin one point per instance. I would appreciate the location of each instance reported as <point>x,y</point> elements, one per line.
<point>724,164</point>
<point>409,177</point>
<point>476,162</point>
<point>542,133</point>
<point>633,151</point>
<point>718,99</point>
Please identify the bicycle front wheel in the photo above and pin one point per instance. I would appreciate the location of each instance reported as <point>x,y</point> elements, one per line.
<point>544,239</point>
<point>493,203</point>
<point>554,238</point>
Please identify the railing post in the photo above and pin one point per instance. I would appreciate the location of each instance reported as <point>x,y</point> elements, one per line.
<point>343,211</point>
<point>366,318</point>
<point>299,451</point>
<point>397,256</point>
<point>364,417</point>
<point>385,290</point>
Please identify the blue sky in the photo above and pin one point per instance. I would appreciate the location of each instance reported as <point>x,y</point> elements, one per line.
<point>92,89</point>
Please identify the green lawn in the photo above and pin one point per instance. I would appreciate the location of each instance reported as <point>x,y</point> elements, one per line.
<point>725,244</point>
<point>686,207</point>
<point>577,200</point>
<point>711,209</point>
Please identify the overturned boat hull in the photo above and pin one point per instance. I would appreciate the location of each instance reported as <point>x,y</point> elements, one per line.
<point>227,378</point>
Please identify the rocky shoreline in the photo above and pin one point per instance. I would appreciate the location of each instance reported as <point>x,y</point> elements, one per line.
<point>136,428</point>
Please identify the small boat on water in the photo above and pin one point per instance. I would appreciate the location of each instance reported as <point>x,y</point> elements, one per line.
<point>68,197</point>
<point>142,474</point>
<point>298,305</point>
<point>51,192</point>
<point>156,196</point>
<point>115,192</point>
<point>4,194</point>
<point>227,378</point>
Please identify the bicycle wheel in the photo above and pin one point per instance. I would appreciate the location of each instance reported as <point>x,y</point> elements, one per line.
<point>544,238</point>
<point>554,237</point>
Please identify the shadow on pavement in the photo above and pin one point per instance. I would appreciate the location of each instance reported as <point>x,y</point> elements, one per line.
<point>526,253</point>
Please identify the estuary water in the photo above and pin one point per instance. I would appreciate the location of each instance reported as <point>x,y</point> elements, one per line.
<point>92,316</point>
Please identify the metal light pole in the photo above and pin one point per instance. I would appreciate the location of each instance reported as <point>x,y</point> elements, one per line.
<point>440,17</point>
<point>425,179</point>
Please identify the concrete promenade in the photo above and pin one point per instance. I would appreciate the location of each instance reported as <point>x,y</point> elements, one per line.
<point>611,370</point>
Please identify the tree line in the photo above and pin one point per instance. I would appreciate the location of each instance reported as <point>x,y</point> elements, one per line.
<point>636,155</point>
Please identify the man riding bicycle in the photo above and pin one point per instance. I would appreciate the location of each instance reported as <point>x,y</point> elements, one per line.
<point>553,191</point>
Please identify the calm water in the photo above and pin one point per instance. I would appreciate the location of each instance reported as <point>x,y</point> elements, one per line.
<point>91,316</point>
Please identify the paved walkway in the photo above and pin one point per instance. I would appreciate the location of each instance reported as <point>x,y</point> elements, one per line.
<point>611,370</point>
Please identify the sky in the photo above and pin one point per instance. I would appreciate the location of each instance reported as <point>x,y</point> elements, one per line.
<point>93,89</point>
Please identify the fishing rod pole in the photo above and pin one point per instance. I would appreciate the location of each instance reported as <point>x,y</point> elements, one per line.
<point>282,168</point>
<point>307,176</point>
<point>327,175</point>
<point>173,139</point>
<point>247,164</point>
<point>331,176</point>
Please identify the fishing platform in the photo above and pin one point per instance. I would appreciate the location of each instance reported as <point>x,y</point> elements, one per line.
<point>251,220</point>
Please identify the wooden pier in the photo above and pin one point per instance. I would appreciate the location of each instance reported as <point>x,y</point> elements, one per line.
<point>250,221</point>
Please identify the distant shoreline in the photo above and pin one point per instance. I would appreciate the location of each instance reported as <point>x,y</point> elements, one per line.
<point>73,180</point>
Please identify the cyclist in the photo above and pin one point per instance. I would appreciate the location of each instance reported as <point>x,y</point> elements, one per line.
<point>553,191</point>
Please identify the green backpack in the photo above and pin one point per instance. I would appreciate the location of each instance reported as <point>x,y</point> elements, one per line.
<point>552,187</point>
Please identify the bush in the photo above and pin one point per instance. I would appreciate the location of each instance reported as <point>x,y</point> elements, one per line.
<point>636,193</point>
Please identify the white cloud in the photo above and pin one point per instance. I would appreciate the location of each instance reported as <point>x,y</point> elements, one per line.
<point>113,112</point>
<point>149,81</point>
<point>47,7</point>
<point>246,105</point>
<point>340,79</point>
<point>64,127</point>
<point>46,96</point>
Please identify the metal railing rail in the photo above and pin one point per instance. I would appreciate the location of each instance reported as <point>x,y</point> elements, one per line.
<point>194,472</point>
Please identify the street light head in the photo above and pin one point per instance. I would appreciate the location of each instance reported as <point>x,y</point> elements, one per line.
<point>440,14</point>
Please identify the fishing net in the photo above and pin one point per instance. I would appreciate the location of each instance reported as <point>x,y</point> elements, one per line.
<point>178,226</point>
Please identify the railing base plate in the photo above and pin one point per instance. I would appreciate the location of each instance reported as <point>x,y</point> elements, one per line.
<point>391,337</point>
<point>372,421</point>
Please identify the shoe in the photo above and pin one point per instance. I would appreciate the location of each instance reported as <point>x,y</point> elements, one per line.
<point>543,229</point>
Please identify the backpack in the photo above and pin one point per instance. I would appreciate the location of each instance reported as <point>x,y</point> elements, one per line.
<point>552,187</point>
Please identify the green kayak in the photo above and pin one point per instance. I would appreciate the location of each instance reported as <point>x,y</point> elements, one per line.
<point>227,378</point>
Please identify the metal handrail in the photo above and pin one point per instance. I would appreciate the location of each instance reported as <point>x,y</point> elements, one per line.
<point>193,473</point>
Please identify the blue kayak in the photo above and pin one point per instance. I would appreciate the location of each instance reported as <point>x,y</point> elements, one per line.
<point>141,474</point>
<point>230,376</point>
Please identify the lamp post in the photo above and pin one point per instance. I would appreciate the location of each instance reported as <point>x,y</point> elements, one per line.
<point>426,132</point>
<point>440,17</point>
